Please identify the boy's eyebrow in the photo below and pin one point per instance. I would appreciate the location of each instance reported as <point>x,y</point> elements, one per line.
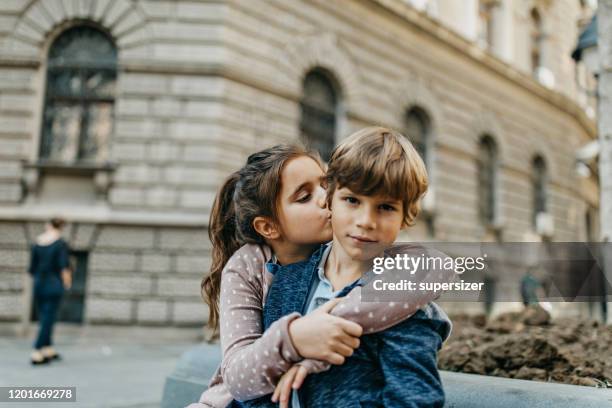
<point>384,200</point>
<point>392,202</point>
<point>391,199</point>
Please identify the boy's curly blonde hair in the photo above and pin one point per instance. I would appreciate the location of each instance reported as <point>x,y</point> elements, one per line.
<point>379,161</point>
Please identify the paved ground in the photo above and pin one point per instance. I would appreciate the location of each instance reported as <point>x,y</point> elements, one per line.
<point>111,367</point>
<point>126,367</point>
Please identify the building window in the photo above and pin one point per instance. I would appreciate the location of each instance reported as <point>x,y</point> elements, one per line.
<point>486,23</point>
<point>319,106</point>
<point>536,40</point>
<point>487,179</point>
<point>417,129</point>
<point>80,96</point>
<point>539,180</point>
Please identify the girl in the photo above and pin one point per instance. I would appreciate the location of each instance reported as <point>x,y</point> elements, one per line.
<point>276,206</point>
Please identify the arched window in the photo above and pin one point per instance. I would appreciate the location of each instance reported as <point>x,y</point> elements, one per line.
<point>536,39</point>
<point>417,128</point>
<point>319,110</point>
<point>80,96</point>
<point>539,181</point>
<point>487,179</point>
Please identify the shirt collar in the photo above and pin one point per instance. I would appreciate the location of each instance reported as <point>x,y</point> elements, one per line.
<point>321,273</point>
<point>321,266</point>
<point>272,265</point>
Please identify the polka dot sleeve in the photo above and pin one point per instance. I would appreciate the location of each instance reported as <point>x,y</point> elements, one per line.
<point>252,362</point>
<point>379,316</point>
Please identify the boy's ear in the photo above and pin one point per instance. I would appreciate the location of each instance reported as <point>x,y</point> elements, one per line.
<point>266,227</point>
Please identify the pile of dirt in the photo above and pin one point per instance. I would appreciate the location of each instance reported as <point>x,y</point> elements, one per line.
<point>529,346</point>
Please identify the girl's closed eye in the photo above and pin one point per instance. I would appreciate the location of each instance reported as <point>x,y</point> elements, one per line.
<point>304,197</point>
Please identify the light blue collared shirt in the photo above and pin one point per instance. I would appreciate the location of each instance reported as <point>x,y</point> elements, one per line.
<point>323,292</point>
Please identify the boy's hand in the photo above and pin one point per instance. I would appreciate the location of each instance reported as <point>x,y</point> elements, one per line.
<point>291,380</point>
<point>321,336</point>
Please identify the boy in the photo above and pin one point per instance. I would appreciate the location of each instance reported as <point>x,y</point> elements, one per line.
<point>375,180</point>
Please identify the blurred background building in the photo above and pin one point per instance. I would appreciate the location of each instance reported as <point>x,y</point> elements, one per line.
<point>124,116</point>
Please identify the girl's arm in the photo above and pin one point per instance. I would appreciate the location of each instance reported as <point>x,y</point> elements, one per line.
<point>378,316</point>
<point>252,361</point>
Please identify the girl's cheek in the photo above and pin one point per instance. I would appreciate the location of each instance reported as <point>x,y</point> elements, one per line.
<point>305,210</point>
<point>313,208</point>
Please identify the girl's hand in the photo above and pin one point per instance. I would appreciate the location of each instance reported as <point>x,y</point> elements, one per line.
<point>321,336</point>
<point>291,380</point>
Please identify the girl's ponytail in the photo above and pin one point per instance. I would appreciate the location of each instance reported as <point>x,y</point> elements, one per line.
<point>223,236</point>
<point>250,192</point>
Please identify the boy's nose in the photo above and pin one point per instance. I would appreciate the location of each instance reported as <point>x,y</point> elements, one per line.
<point>366,220</point>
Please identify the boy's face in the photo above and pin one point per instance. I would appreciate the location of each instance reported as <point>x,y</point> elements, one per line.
<point>365,225</point>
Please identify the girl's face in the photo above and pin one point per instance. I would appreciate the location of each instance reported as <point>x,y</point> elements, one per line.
<point>303,216</point>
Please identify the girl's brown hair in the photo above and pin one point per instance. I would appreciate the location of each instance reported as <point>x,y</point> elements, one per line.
<point>247,193</point>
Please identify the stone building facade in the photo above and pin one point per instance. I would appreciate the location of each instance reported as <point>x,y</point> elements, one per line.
<point>488,89</point>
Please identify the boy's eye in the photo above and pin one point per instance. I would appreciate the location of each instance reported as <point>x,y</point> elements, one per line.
<point>387,207</point>
<point>351,200</point>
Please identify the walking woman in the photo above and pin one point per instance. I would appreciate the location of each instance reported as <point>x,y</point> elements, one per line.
<point>50,268</point>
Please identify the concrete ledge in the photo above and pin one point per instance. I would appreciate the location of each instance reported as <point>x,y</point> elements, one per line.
<point>479,391</point>
<point>191,376</point>
<point>197,365</point>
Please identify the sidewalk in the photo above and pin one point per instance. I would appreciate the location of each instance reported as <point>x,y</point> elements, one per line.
<point>110,366</point>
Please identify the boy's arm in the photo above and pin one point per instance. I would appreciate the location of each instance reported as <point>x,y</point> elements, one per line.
<point>252,361</point>
<point>408,359</point>
<point>378,316</point>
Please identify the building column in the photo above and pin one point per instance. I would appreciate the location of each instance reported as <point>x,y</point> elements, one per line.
<point>543,72</point>
<point>503,30</point>
<point>470,19</point>
<point>461,16</point>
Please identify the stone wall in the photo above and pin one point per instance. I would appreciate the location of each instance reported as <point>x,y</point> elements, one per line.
<point>201,84</point>
<point>384,65</point>
<point>136,275</point>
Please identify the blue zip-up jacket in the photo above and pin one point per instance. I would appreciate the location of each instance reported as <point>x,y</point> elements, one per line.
<point>393,368</point>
